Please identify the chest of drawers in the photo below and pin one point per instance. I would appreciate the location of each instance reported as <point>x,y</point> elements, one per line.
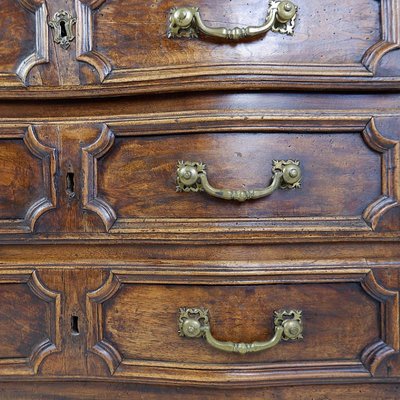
<point>198,212</point>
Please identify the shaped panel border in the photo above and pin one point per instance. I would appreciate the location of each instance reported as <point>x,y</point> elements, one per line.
<point>366,223</point>
<point>31,365</point>
<point>266,75</point>
<point>41,53</point>
<point>367,366</point>
<point>390,158</point>
<point>84,38</point>
<point>48,157</point>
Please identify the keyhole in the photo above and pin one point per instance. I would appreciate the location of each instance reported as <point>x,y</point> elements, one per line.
<point>74,325</point>
<point>63,30</point>
<point>70,184</point>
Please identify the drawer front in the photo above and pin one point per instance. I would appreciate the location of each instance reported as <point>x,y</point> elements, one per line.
<point>348,185</point>
<point>30,318</point>
<point>146,327</point>
<point>327,44</point>
<point>127,178</point>
<point>125,46</point>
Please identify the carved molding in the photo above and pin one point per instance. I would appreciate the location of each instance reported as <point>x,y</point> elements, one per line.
<point>96,342</point>
<point>364,223</point>
<point>376,353</point>
<point>390,156</point>
<point>371,358</point>
<point>90,155</point>
<point>48,157</point>
<point>84,38</point>
<point>390,40</point>
<point>41,53</point>
<point>52,344</point>
<point>365,70</point>
<point>357,75</point>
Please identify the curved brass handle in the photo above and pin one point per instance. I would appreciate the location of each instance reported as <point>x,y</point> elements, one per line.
<point>187,22</point>
<point>194,323</point>
<point>192,177</point>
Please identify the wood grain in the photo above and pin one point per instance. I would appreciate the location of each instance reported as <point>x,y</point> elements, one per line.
<point>137,343</point>
<point>98,252</point>
<point>125,391</point>
<point>117,53</point>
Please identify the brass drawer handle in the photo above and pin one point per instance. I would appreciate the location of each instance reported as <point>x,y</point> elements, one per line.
<point>192,177</point>
<point>187,22</point>
<point>194,323</point>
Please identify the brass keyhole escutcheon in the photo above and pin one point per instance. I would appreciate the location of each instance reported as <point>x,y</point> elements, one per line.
<point>62,25</point>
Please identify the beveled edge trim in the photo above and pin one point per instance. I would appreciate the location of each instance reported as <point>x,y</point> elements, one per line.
<point>41,53</point>
<point>90,155</point>
<point>188,124</point>
<point>84,38</point>
<point>376,353</point>
<point>48,157</point>
<point>390,161</point>
<point>96,342</point>
<point>218,374</point>
<point>52,344</point>
<point>390,27</point>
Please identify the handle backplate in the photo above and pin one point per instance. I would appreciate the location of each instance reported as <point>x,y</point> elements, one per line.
<point>192,177</point>
<point>194,323</point>
<point>186,22</point>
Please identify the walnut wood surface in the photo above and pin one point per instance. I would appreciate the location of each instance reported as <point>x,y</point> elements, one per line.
<point>98,252</point>
<point>349,156</point>
<point>17,38</point>
<point>124,391</point>
<point>124,52</point>
<point>238,314</point>
<point>18,164</point>
<point>139,171</point>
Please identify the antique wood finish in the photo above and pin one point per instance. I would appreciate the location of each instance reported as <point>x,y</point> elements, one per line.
<point>30,313</point>
<point>123,391</point>
<point>100,254</point>
<point>146,342</point>
<point>27,183</point>
<point>23,40</point>
<point>121,47</point>
<point>337,206</point>
<point>117,174</point>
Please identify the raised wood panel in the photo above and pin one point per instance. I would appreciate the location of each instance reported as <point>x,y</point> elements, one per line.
<point>349,182</point>
<point>121,47</point>
<point>23,40</point>
<point>328,46</point>
<point>27,179</point>
<point>350,325</point>
<point>30,317</point>
<point>325,34</point>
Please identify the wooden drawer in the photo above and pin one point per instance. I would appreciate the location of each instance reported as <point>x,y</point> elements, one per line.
<point>348,185</point>
<point>122,46</point>
<point>119,179</point>
<point>350,323</point>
